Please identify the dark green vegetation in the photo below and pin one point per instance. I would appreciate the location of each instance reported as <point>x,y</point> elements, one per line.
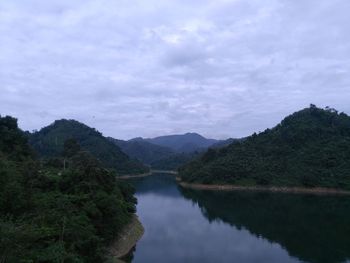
<point>312,228</point>
<point>66,209</point>
<point>48,142</point>
<point>174,161</point>
<point>308,148</point>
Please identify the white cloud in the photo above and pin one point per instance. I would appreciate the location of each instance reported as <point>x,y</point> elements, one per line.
<point>146,68</point>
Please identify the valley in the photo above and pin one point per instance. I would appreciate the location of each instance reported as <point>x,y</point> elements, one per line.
<point>68,176</point>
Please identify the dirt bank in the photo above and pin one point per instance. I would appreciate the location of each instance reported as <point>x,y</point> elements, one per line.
<point>147,174</point>
<point>164,171</point>
<point>296,190</point>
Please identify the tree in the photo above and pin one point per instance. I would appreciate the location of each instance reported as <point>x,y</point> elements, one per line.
<point>70,148</point>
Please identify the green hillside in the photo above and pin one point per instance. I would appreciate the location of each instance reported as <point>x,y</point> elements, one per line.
<point>174,161</point>
<point>48,142</point>
<point>53,214</point>
<point>308,148</point>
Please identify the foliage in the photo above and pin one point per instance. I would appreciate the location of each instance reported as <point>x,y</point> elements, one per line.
<point>50,212</point>
<point>308,148</point>
<point>49,142</point>
<point>174,161</point>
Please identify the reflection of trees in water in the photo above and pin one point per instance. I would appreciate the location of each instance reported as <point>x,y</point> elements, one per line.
<point>312,228</point>
<point>163,184</point>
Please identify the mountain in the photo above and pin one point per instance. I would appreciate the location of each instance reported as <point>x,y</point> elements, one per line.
<point>49,141</point>
<point>64,213</point>
<point>188,142</point>
<point>156,156</point>
<point>142,150</point>
<point>166,152</point>
<point>308,148</point>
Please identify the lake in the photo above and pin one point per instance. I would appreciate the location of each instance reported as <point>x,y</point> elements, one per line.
<point>183,225</point>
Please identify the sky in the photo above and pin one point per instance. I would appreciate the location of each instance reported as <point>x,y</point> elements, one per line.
<point>148,67</point>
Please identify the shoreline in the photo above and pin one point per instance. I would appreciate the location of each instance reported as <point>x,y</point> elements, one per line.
<point>146,174</point>
<point>274,189</point>
<point>164,171</point>
<point>127,239</point>
<point>134,175</point>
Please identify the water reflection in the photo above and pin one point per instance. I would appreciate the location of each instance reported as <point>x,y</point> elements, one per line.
<point>184,225</point>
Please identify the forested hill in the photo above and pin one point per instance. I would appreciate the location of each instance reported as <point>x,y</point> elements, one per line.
<point>51,212</point>
<point>308,148</point>
<point>48,142</point>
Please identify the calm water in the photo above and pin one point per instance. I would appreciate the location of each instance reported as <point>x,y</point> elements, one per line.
<point>183,225</point>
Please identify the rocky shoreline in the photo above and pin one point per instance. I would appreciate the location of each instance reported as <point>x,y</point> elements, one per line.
<point>131,234</point>
<point>146,174</point>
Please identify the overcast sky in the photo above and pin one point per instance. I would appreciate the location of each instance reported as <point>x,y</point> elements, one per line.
<point>153,67</point>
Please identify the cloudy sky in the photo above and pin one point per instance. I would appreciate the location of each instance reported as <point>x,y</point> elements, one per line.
<point>148,67</point>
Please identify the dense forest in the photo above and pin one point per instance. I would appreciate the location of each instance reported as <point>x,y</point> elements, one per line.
<point>308,148</point>
<point>49,141</point>
<point>67,208</point>
<point>174,161</point>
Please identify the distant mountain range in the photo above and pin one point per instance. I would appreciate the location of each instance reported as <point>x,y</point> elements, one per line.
<point>168,152</point>
<point>142,150</point>
<point>182,143</point>
<point>126,157</point>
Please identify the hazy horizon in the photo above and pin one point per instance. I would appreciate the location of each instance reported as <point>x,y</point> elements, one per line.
<point>223,69</point>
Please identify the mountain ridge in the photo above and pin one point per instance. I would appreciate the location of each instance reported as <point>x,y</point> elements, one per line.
<point>167,152</point>
<point>144,151</point>
<point>187,142</point>
<point>308,148</point>
<point>49,141</point>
